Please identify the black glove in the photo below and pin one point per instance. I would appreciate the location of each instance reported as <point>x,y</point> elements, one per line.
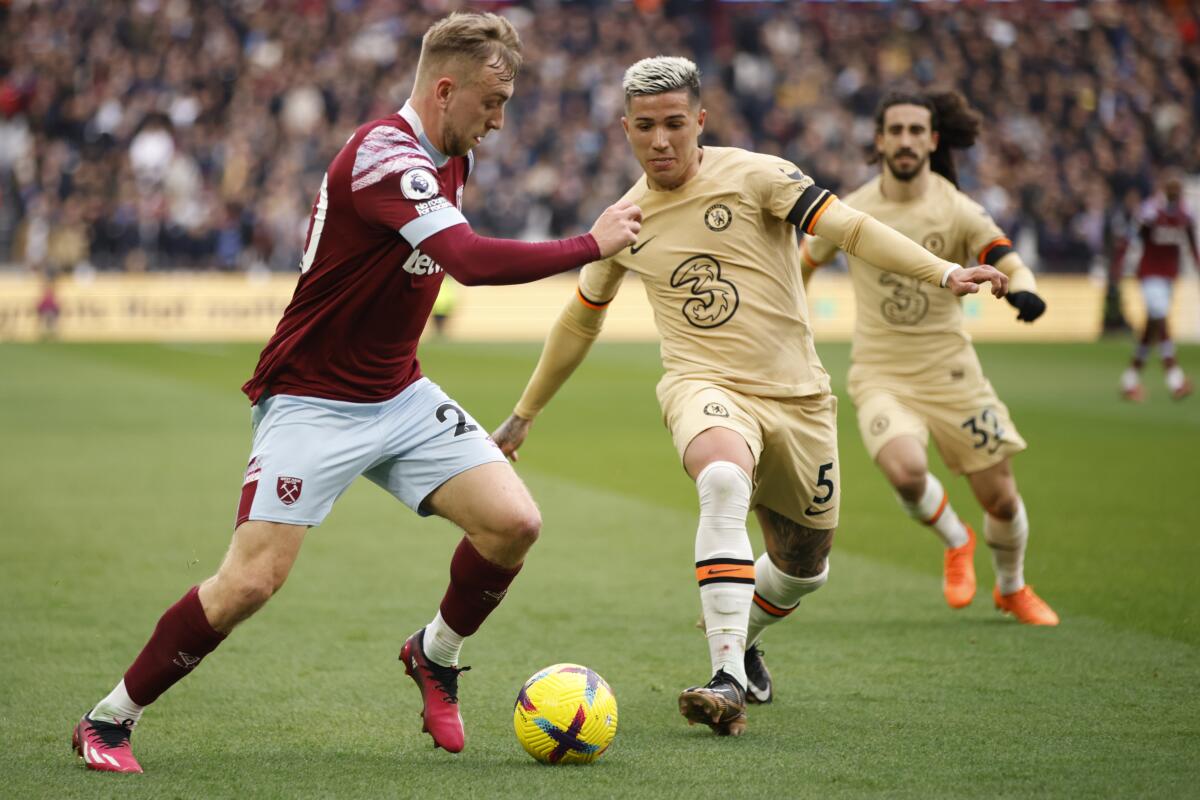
<point>1028,305</point>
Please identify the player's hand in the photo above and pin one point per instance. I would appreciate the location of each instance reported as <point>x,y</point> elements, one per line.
<point>617,227</point>
<point>966,280</point>
<point>1029,305</point>
<point>511,435</point>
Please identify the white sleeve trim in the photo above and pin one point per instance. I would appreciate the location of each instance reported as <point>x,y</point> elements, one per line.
<point>422,228</point>
<point>946,274</point>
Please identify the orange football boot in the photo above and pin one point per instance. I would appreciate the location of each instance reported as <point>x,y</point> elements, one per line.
<point>1134,394</point>
<point>958,573</point>
<point>1026,606</point>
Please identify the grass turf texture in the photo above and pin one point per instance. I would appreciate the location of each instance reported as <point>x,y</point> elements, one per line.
<point>120,471</point>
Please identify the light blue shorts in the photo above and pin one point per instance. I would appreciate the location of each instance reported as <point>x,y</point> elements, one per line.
<point>307,451</point>
<point>1156,291</point>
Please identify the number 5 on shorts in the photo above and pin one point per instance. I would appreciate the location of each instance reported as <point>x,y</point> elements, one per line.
<point>823,482</point>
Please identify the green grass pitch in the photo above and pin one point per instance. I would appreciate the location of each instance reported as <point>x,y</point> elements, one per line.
<point>120,468</point>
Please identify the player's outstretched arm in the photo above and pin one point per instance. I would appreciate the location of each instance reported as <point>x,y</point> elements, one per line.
<point>814,254</point>
<point>1022,288</point>
<point>511,435</point>
<point>617,228</point>
<point>864,236</point>
<point>475,260</point>
<point>967,280</point>
<point>566,346</point>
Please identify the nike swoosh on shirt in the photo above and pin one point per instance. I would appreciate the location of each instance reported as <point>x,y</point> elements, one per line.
<point>812,512</point>
<point>634,248</point>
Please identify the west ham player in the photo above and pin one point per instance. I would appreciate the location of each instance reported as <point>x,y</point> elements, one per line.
<point>913,370</point>
<point>1165,230</point>
<point>338,391</point>
<point>744,395</point>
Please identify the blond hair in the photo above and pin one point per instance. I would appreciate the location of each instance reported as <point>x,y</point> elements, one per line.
<point>662,74</point>
<point>469,39</point>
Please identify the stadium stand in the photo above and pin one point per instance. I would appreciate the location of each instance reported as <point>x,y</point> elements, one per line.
<point>161,134</point>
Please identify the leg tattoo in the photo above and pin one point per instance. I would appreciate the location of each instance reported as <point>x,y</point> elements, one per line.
<point>796,549</point>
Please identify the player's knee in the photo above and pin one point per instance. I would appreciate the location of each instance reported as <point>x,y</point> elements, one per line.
<point>908,481</point>
<point>523,527</point>
<point>1003,505</point>
<point>248,590</point>
<point>721,483</point>
<point>252,594</point>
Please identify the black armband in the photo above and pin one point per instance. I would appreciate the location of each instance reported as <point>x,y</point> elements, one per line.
<point>996,250</point>
<point>809,206</point>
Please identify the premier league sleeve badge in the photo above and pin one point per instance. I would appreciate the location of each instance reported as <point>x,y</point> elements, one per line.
<point>418,184</point>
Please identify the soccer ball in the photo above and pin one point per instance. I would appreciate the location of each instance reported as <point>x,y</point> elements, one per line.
<point>565,714</point>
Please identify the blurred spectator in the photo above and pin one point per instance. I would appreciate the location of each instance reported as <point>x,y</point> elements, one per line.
<point>181,133</point>
<point>48,309</point>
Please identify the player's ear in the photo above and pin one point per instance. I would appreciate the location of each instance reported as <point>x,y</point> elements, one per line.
<point>625,126</point>
<point>933,137</point>
<point>442,90</point>
<point>700,119</point>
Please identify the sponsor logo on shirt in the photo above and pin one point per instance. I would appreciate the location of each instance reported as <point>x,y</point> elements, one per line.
<point>430,206</point>
<point>420,264</point>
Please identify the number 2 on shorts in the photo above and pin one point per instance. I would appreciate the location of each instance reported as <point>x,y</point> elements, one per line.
<point>463,426</point>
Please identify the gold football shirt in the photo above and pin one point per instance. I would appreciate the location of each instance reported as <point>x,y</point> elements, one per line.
<point>904,326</point>
<point>721,268</point>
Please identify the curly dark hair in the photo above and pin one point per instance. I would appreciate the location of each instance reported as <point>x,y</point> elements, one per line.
<point>952,118</point>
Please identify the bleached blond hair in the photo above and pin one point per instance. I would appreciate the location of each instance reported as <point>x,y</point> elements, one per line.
<point>662,74</point>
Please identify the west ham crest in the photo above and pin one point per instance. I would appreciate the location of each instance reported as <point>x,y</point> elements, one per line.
<point>288,489</point>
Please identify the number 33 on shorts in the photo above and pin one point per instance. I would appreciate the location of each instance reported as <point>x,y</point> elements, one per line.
<point>986,431</point>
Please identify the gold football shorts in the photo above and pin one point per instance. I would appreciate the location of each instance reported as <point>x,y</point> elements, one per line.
<point>793,440</point>
<point>969,424</point>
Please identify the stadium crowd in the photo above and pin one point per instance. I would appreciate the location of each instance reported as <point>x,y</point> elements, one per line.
<point>155,134</point>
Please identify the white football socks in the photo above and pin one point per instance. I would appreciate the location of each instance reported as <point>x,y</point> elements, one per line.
<point>1130,379</point>
<point>118,708</point>
<point>777,594</point>
<point>725,564</point>
<point>442,645</point>
<point>934,510</point>
<point>1007,542</point>
<point>1175,378</point>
